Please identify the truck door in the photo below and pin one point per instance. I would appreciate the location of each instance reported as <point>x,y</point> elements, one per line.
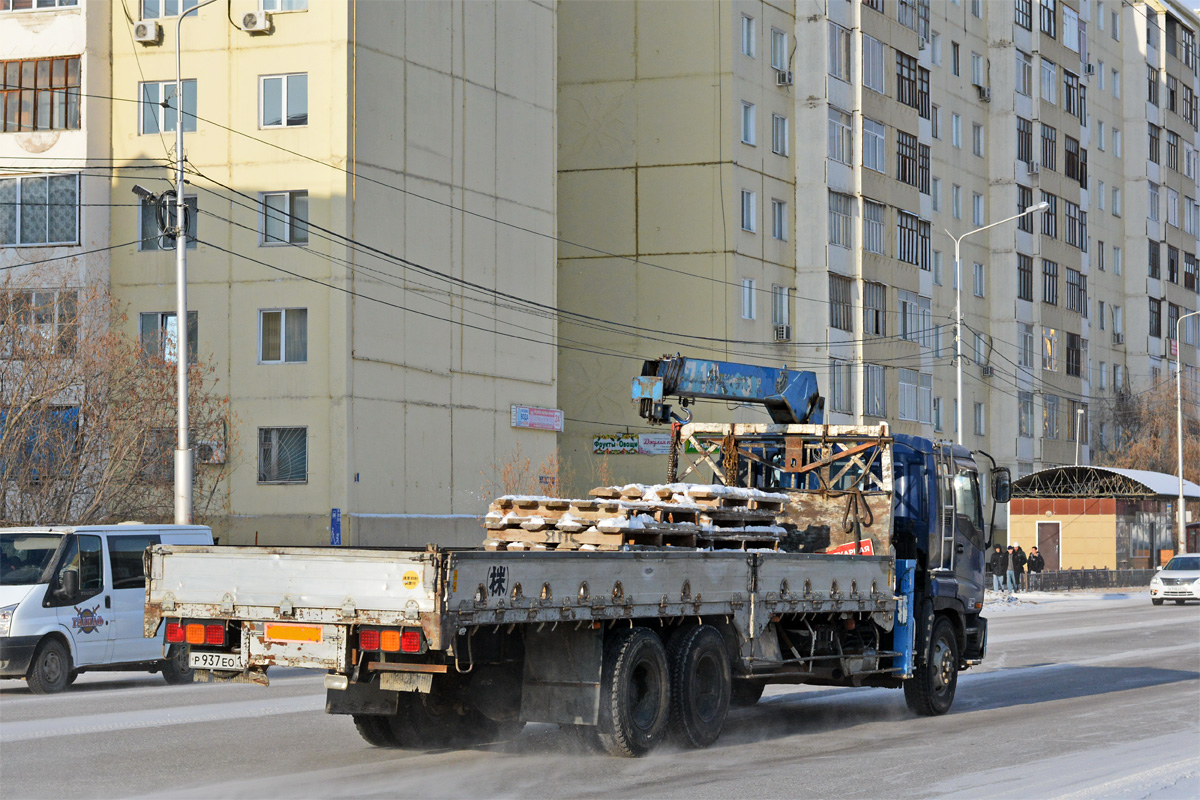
<point>86,616</point>
<point>969,537</point>
<point>129,598</point>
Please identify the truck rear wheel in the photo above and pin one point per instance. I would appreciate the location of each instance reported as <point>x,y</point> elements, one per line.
<point>930,691</point>
<point>635,693</point>
<point>700,685</point>
<point>746,693</point>
<point>376,730</point>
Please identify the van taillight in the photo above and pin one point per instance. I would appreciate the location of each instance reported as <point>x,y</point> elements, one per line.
<point>368,640</point>
<point>174,632</point>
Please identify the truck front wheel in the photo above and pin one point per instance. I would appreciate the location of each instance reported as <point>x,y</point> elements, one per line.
<point>635,693</point>
<point>700,685</point>
<point>930,691</point>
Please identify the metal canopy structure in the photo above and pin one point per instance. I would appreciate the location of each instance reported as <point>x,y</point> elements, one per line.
<point>1093,482</point>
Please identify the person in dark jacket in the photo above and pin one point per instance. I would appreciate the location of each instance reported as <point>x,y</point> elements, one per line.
<point>999,565</point>
<point>1019,562</point>
<point>1036,564</point>
<point>1010,574</point>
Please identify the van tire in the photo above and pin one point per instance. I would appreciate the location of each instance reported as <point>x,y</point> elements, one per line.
<point>50,670</point>
<point>175,669</point>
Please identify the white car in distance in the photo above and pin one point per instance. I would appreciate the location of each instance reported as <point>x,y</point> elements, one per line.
<point>1179,580</point>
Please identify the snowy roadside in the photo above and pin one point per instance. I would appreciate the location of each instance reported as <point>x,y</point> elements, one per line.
<point>1076,600</point>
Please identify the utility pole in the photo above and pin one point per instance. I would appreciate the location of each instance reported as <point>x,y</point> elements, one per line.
<point>1181,532</point>
<point>183,451</point>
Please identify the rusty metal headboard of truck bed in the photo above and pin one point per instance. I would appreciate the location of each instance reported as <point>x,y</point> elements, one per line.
<point>839,477</point>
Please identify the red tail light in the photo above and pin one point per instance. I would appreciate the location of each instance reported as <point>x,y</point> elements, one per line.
<point>174,632</point>
<point>368,640</point>
<point>410,642</point>
<point>214,634</point>
<point>194,633</point>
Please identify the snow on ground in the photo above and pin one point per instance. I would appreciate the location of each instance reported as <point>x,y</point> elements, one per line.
<point>995,603</point>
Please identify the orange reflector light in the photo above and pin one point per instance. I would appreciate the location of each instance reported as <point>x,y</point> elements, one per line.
<point>279,632</point>
<point>410,642</point>
<point>389,641</point>
<point>214,634</point>
<point>174,632</point>
<point>195,633</point>
<point>368,640</point>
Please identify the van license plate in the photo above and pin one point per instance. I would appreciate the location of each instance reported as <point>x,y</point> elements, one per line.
<point>217,661</point>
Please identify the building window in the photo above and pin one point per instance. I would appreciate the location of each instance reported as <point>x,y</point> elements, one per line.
<point>841,212</point>
<point>980,421</point>
<point>906,158</point>
<point>1024,14</point>
<point>1049,81</point>
<point>1173,150</point>
<point>285,218</point>
<point>1173,208</point>
<point>923,93</point>
<point>1154,259</point>
<point>935,121</point>
<point>749,211</point>
<point>956,201</point>
<point>1155,143</point>
<point>909,381</point>
<point>1153,200</point>
<point>1050,216</point>
<point>841,305</point>
<point>1049,282</point>
<point>39,95</point>
<point>149,237</point>
<point>906,79</point>
<point>874,391</point>
<point>748,123</point>
<point>937,267</point>
<point>978,280</point>
<point>1116,260</point>
<point>874,134</point>
<point>977,139</point>
<point>1116,142</point>
<point>937,414</point>
<point>1024,140</point>
<point>954,59</point>
<point>157,119</point>
<point>780,302</point>
<point>283,100</point>
<point>779,56</point>
<point>874,309</point>
<point>1075,350</point>
<point>157,9</point>
<point>779,135</point>
<point>1116,202</point>
<point>840,137</point>
<point>1024,74</point>
<point>936,193</point>
<point>873,214</point>
<point>977,77</point>
<point>1073,96</point>
<point>1025,414</point>
<point>916,318</point>
<point>1025,351</point>
<point>978,214</point>
<point>1050,416</point>
<point>1155,317</point>
<point>1172,320</point>
<point>841,386</point>
<point>839,52</point>
<point>283,5</point>
<point>906,13</point>
<point>1076,233</point>
<point>908,238</point>
<point>39,210</point>
<point>1075,161</point>
<point>747,36</point>
<point>1152,84</point>
<point>42,320</point>
<point>873,66</point>
<point>283,455</point>
<point>779,220</point>
<point>159,336</point>
<point>981,350</point>
<point>749,298</point>
<point>1077,292</point>
<point>1049,23</point>
<point>956,130</point>
<point>1172,264</point>
<point>283,335</point>
<point>1024,277</point>
<point>1024,201</point>
<point>1049,349</point>
<point>1049,147</point>
<point>923,168</point>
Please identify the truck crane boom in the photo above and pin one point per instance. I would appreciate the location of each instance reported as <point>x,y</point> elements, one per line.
<point>790,396</point>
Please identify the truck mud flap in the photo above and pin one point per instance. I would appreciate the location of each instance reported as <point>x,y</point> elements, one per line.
<point>561,680</point>
<point>361,698</point>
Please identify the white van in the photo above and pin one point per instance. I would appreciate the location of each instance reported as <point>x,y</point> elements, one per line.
<point>72,599</point>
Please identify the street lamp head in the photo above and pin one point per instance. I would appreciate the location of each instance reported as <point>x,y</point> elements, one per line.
<point>143,192</point>
<point>1042,206</point>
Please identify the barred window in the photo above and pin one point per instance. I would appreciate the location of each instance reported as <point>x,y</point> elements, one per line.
<point>906,158</point>
<point>841,303</point>
<point>39,94</point>
<point>282,455</point>
<point>841,212</point>
<point>1024,277</point>
<point>874,309</point>
<point>906,79</point>
<point>907,242</point>
<point>873,226</point>
<point>1049,282</point>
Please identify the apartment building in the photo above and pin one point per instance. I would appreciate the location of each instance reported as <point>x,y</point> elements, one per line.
<point>372,182</point>
<point>909,123</point>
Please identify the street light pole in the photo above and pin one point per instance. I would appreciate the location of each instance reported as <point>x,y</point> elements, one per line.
<point>1181,532</point>
<point>1078,432</point>
<point>958,421</point>
<point>183,451</point>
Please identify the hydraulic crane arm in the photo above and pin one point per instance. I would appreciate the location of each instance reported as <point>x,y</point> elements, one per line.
<point>790,397</point>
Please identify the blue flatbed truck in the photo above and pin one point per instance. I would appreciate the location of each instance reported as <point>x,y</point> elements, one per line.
<point>874,576</point>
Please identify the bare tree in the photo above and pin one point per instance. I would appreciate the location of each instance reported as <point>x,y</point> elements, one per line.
<point>87,415</point>
<point>1140,431</point>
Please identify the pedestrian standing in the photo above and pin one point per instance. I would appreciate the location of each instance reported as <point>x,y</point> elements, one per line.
<point>1009,573</point>
<point>998,563</point>
<point>1036,565</point>
<point>1019,562</point>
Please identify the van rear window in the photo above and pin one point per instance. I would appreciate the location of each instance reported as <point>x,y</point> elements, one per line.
<point>125,553</point>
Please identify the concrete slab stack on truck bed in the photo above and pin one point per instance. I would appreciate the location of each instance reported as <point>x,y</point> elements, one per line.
<point>875,578</point>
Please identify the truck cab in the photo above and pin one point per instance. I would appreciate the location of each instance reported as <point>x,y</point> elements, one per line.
<point>72,599</point>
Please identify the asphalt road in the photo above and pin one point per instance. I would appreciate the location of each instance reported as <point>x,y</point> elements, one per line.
<point>1077,700</point>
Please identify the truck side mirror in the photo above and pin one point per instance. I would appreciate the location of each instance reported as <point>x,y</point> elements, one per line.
<point>1001,485</point>
<point>68,588</point>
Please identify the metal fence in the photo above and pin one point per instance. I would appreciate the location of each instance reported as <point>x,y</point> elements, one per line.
<point>1065,579</point>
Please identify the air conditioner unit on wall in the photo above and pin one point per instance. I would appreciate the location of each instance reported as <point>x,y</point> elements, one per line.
<point>1089,69</point>
<point>256,22</point>
<point>1118,338</point>
<point>783,333</point>
<point>988,371</point>
<point>147,31</point>
<point>783,77</point>
<point>210,452</point>
<point>1032,167</point>
<point>985,94</point>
